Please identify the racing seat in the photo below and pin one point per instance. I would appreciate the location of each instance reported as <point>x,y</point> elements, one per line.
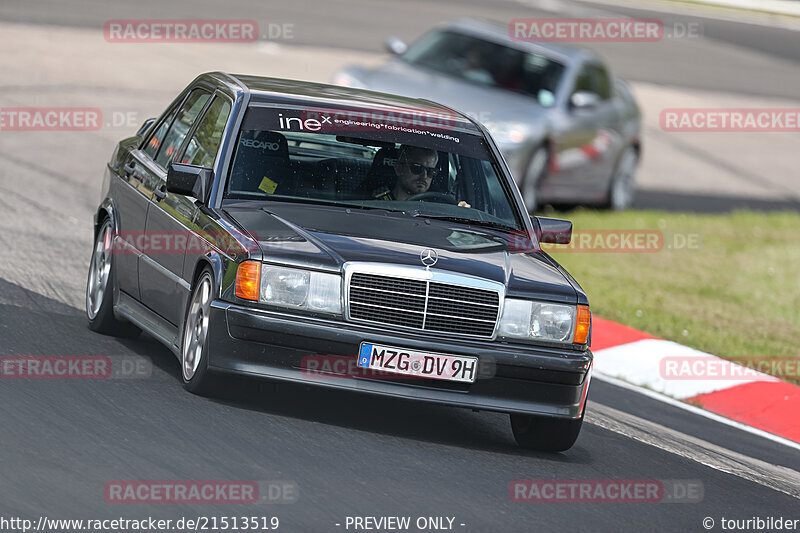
<point>262,164</point>
<point>381,174</point>
<point>338,177</point>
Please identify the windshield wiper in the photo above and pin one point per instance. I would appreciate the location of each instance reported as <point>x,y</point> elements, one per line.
<point>319,201</point>
<point>469,221</point>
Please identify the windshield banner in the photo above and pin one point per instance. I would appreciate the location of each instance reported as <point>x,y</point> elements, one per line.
<point>433,128</point>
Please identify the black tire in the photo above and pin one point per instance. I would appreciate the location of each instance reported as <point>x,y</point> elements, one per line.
<point>100,289</point>
<point>195,375</point>
<point>534,174</point>
<point>545,434</point>
<point>621,185</point>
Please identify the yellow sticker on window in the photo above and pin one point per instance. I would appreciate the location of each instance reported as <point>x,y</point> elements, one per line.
<point>267,185</point>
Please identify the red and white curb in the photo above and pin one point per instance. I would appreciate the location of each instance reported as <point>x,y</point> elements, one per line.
<point>754,399</point>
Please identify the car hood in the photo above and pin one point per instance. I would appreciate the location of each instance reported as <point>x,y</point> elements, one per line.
<point>322,237</point>
<point>484,104</point>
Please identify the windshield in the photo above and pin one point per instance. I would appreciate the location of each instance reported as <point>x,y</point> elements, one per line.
<point>487,63</point>
<point>361,159</point>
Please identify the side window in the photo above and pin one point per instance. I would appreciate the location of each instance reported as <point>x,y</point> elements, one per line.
<point>151,148</point>
<point>203,146</point>
<point>602,83</point>
<point>584,81</point>
<point>499,206</point>
<point>594,79</point>
<point>180,127</point>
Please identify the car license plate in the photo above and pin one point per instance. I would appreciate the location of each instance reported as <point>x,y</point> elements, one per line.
<point>418,364</point>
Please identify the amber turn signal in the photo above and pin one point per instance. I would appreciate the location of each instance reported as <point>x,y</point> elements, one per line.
<point>583,323</point>
<point>248,280</point>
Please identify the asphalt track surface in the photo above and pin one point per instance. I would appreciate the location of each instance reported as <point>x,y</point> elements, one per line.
<point>730,57</point>
<point>348,455</point>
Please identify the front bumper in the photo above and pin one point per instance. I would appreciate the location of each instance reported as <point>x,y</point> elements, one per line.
<point>511,378</point>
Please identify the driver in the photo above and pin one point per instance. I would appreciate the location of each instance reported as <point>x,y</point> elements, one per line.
<point>415,168</point>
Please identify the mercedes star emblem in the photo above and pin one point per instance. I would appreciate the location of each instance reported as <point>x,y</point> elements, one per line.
<point>428,257</point>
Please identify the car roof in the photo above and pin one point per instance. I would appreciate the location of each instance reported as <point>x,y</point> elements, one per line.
<point>303,93</point>
<point>499,33</point>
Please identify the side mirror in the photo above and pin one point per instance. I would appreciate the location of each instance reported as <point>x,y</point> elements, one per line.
<point>584,100</point>
<point>553,230</point>
<point>189,180</point>
<point>396,46</point>
<point>146,126</point>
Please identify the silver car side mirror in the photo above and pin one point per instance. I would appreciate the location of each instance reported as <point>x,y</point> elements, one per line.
<point>396,46</point>
<point>584,100</point>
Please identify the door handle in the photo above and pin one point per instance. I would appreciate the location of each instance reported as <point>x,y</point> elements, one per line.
<point>130,168</point>
<point>160,193</point>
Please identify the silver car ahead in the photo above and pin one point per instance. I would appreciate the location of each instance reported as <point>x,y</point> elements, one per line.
<point>568,130</point>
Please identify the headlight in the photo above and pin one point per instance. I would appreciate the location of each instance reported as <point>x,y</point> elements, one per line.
<point>283,286</point>
<point>525,319</point>
<point>301,289</point>
<point>295,288</point>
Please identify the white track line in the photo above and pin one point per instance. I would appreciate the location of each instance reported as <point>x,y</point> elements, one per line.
<point>695,410</point>
<point>776,477</point>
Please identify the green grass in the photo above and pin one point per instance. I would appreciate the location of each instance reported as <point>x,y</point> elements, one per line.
<point>735,294</point>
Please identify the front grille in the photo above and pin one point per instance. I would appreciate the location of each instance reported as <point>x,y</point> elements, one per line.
<point>424,305</point>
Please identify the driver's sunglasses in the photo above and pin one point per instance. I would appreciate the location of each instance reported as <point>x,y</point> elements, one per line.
<point>418,168</point>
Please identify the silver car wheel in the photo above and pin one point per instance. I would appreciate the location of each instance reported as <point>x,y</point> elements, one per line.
<point>622,183</point>
<point>533,176</point>
<point>99,270</point>
<point>196,328</point>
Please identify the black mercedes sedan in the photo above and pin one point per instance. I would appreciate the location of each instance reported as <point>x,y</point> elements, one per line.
<point>340,238</point>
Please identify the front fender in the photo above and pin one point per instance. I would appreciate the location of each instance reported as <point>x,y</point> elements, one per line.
<point>107,209</point>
